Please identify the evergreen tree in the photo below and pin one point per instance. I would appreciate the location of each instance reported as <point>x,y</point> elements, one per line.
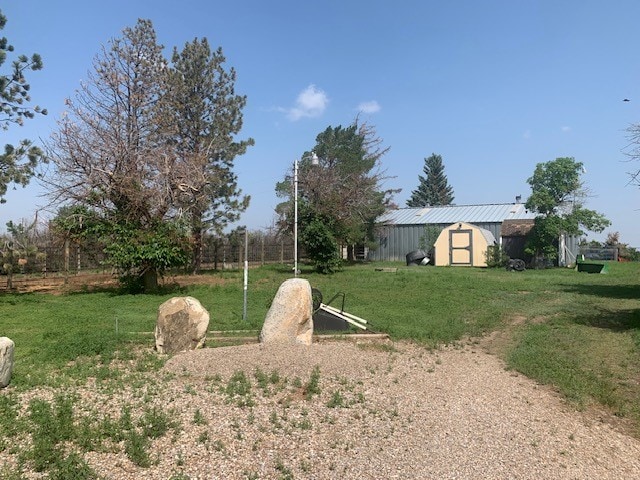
<point>17,162</point>
<point>344,192</point>
<point>434,188</point>
<point>203,115</point>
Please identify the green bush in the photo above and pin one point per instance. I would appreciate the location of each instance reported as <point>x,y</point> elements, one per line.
<point>321,246</point>
<point>496,256</point>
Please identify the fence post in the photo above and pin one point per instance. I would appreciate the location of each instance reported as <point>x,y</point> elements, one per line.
<point>66,260</point>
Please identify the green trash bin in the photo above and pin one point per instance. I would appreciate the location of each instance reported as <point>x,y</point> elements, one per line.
<point>591,266</point>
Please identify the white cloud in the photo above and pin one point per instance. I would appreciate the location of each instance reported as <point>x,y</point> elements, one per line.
<point>369,107</point>
<point>565,129</point>
<point>311,102</point>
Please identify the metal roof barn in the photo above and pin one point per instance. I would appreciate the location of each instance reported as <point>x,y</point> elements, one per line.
<point>402,229</point>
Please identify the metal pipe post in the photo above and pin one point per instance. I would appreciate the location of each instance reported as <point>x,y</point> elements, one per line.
<point>295,217</point>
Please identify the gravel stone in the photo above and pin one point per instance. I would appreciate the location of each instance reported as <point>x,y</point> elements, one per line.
<point>383,411</point>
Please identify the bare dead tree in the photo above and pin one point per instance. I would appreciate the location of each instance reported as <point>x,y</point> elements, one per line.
<point>108,151</point>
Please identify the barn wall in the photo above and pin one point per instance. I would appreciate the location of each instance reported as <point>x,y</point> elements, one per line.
<point>514,247</point>
<point>394,242</point>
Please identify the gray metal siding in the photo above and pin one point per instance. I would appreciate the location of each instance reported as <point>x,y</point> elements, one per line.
<point>395,241</point>
<point>404,227</point>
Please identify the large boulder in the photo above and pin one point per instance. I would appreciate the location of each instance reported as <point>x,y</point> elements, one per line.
<point>182,325</point>
<point>6,360</point>
<point>290,317</point>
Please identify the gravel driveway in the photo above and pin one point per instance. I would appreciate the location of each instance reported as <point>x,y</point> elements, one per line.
<point>400,411</point>
<point>338,410</point>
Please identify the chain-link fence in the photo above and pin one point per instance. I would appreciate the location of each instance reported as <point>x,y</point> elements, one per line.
<point>217,253</point>
<point>222,253</point>
<point>599,253</point>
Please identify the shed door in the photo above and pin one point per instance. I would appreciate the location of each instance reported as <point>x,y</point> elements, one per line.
<point>460,247</point>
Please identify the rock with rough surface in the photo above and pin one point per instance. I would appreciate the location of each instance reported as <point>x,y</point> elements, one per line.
<point>290,317</point>
<point>182,325</point>
<point>6,360</point>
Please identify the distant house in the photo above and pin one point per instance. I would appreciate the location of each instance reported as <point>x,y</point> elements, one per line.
<point>402,230</point>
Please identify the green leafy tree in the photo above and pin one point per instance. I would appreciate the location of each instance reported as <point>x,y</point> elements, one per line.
<point>434,188</point>
<point>557,196</point>
<point>203,115</point>
<point>112,158</point>
<point>344,191</point>
<point>321,245</point>
<point>18,162</point>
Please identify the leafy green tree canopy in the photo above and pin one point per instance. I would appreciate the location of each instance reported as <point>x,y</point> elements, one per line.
<point>344,192</point>
<point>557,195</point>
<point>17,163</point>
<point>434,188</point>
<point>554,185</point>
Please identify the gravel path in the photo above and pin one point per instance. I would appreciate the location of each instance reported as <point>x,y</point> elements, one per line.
<point>395,411</point>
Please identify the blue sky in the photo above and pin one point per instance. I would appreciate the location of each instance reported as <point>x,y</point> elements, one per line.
<point>494,87</point>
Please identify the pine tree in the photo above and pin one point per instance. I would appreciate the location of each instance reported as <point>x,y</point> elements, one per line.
<point>205,115</point>
<point>434,188</point>
<point>17,162</point>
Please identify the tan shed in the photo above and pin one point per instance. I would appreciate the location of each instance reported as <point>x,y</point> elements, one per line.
<point>463,244</point>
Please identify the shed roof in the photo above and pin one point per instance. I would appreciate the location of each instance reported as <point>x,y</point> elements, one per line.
<point>517,227</point>
<point>492,213</point>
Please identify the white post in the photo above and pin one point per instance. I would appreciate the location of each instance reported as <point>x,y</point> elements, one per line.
<point>295,217</point>
<point>314,161</point>
<point>246,273</point>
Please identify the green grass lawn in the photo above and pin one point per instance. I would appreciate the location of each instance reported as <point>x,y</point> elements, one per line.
<point>578,332</point>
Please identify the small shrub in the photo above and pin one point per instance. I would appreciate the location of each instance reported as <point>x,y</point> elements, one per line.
<point>496,256</point>
<point>286,473</point>
<point>203,437</point>
<point>239,388</point>
<point>136,446</point>
<point>155,423</point>
<point>312,387</point>
<point>218,445</point>
<point>73,466</point>
<point>337,400</point>
<point>198,418</point>
<point>51,425</point>
<point>179,476</point>
<point>321,246</point>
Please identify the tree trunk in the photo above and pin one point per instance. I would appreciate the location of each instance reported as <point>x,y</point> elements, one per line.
<point>196,236</point>
<point>10,269</point>
<point>66,261</point>
<point>216,249</point>
<point>350,256</point>
<point>150,280</point>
